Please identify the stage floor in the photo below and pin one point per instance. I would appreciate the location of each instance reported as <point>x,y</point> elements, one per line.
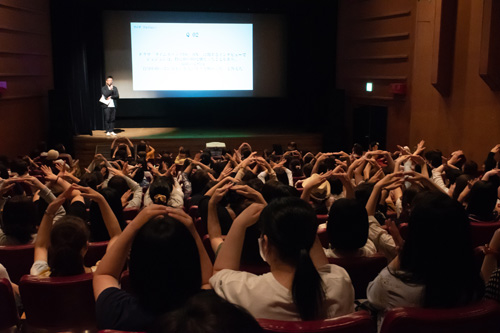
<point>169,139</point>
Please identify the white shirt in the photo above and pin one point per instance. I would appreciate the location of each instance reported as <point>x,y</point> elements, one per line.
<point>264,297</point>
<point>365,251</point>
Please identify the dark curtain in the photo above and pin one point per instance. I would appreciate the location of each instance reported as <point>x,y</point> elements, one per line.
<point>78,68</point>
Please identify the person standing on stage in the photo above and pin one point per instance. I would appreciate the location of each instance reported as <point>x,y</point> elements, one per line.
<point>109,103</point>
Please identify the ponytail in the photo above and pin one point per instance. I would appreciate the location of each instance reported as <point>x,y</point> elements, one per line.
<point>307,288</point>
<point>290,225</point>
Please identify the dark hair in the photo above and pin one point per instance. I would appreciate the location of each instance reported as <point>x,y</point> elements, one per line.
<point>434,157</point>
<point>281,175</point>
<point>68,237</point>
<point>19,218</point>
<point>91,179</point>
<point>290,225</point>
<point>307,169</point>
<point>119,184</point>
<point>139,174</point>
<point>164,265</point>
<point>141,146</point>
<point>19,166</point>
<point>438,222</point>
<point>347,225</point>
<point>109,77</point>
<point>362,192</point>
<point>4,172</point>
<point>460,184</point>
<point>357,149</point>
<point>199,181</point>
<point>98,230</point>
<point>471,168</point>
<point>206,312</point>
<point>482,201</point>
<point>160,190</point>
<point>295,166</point>
<point>274,189</point>
<point>60,148</point>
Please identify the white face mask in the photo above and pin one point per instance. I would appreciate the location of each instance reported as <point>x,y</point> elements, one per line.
<point>261,250</point>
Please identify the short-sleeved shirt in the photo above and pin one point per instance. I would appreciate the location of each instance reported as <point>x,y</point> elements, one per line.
<point>119,310</point>
<point>264,297</point>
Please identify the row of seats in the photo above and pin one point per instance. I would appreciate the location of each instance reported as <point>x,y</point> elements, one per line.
<point>67,303</point>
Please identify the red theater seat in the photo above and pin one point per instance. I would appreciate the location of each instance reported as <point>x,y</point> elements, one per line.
<point>130,213</point>
<point>357,322</point>
<point>95,253</point>
<point>482,317</point>
<point>362,270</point>
<point>8,309</point>
<point>58,303</point>
<point>481,232</point>
<point>17,259</point>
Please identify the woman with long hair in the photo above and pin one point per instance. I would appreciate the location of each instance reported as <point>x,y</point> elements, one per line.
<point>301,284</point>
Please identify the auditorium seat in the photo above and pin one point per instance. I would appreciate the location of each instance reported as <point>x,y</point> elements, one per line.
<point>58,303</point>
<point>95,253</point>
<point>322,218</point>
<point>362,270</point>
<point>403,230</point>
<point>323,237</point>
<point>17,259</point>
<point>482,232</point>
<point>357,322</point>
<point>9,318</point>
<point>208,247</point>
<point>482,317</point>
<point>130,213</point>
<point>201,227</point>
<point>193,211</point>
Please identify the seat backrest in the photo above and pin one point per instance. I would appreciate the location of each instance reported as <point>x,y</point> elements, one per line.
<point>62,303</point>
<point>130,213</point>
<point>357,322</point>
<point>323,237</point>
<point>483,317</point>
<point>482,232</point>
<point>362,270</point>
<point>201,226</point>
<point>8,309</point>
<point>17,259</point>
<point>95,253</point>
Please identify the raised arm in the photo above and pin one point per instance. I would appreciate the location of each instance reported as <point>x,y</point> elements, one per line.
<point>230,254</point>
<point>108,272</point>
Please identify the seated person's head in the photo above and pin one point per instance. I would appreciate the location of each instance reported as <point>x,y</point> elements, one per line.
<point>91,179</point>
<point>69,239</point>
<point>347,225</point>
<point>164,265</point>
<point>4,172</point>
<point>281,175</point>
<point>19,166</point>
<point>160,190</point>
<point>141,146</point>
<point>98,230</point>
<point>119,184</point>
<point>206,312</point>
<point>20,218</point>
<point>199,181</point>
<point>440,222</point>
<point>274,189</point>
<point>296,167</point>
<point>482,201</point>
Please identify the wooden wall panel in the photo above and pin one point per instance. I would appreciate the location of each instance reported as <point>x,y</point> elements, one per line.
<point>375,44</point>
<point>489,61</point>
<point>469,117</point>
<point>26,66</point>
<point>443,47</point>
